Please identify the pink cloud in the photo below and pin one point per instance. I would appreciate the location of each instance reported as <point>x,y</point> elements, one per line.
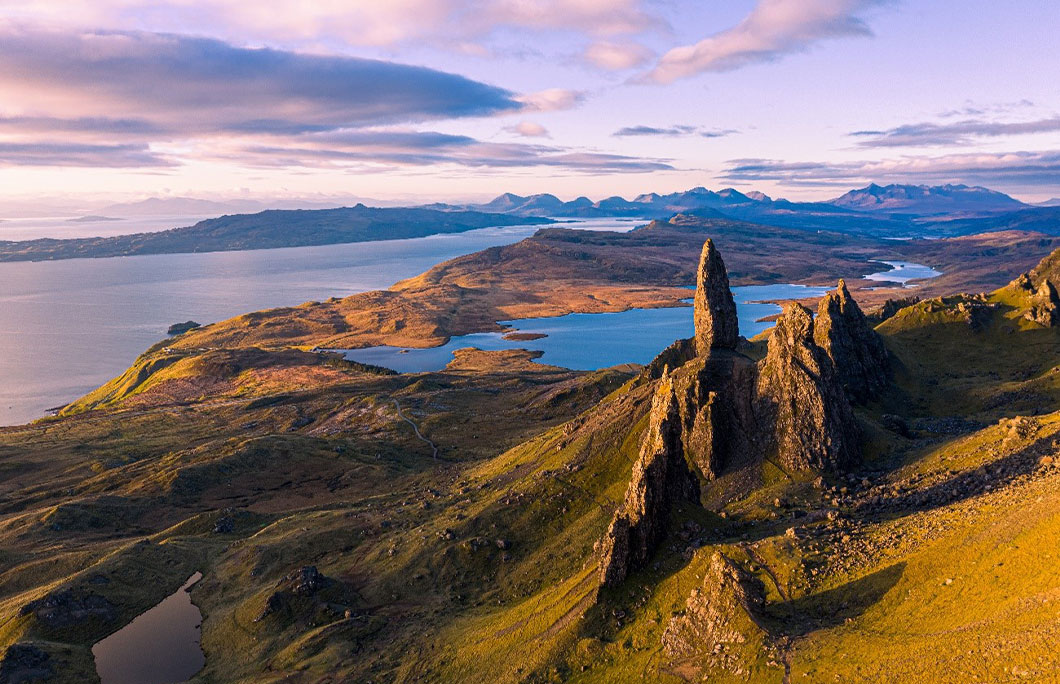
<point>772,29</point>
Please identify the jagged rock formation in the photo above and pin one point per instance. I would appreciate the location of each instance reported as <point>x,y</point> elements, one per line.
<point>801,397</point>
<point>1046,309</point>
<point>715,311</point>
<point>716,399</point>
<point>716,410</point>
<point>856,351</point>
<point>661,478</point>
<point>721,627</point>
<point>891,307</point>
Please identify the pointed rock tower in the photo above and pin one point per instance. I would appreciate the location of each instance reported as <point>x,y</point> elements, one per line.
<point>715,311</point>
<point>857,352</point>
<point>802,399</point>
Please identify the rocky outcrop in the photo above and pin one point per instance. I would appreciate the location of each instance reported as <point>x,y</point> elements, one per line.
<point>891,307</point>
<point>715,311</point>
<point>856,350</point>
<point>661,479</point>
<point>23,663</point>
<point>300,584</point>
<point>715,410</point>
<point>802,399</point>
<point>69,608</point>
<point>716,398</point>
<point>676,355</point>
<point>721,627</point>
<point>1046,309</point>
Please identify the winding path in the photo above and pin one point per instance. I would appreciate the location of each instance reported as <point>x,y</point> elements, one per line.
<point>416,428</point>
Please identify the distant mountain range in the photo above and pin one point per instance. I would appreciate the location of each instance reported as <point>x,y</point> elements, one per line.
<point>891,210</point>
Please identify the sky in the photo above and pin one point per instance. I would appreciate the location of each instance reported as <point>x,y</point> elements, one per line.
<point>413,101</point>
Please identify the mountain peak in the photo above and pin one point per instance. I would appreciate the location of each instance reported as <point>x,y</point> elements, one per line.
<point>925,199</point>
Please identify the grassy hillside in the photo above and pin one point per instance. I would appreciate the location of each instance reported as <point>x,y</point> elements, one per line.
<point>932,561</point>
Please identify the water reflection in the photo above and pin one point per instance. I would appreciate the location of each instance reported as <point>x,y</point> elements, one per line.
<point>161,646</point>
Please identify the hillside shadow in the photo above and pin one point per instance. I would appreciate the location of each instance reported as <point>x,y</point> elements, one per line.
<point>833,607</point>
<point>965,485</point>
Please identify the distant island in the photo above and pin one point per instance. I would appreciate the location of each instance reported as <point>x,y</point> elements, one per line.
<point>93,219</point>
<point>268,230</point>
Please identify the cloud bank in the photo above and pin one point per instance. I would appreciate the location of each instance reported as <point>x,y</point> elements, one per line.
<point>774,28</point>
<point>672,132</point>
<point>205,99</point>
<point>1023,169</point>
<point>179,82</point>
<point>960,133</point>
<point>353,22</point>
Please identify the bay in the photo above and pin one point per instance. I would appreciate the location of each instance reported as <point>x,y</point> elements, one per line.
<point>66,327</point>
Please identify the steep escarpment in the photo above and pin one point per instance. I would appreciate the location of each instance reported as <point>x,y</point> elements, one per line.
<point>717,411</point>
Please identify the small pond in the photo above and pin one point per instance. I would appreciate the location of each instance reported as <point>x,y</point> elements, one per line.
<point>161,646</point>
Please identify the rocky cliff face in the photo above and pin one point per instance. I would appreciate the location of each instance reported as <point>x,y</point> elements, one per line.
<point>857,352</point>
<point>802,399</point>
<point>660,480</point>
<point>721,627</point>
<point>716,398</point>
<point>716,410</point>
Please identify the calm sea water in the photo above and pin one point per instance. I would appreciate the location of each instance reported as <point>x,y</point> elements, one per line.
<point>67,327</point>
<point>66,227</point>
<point>592,341</point>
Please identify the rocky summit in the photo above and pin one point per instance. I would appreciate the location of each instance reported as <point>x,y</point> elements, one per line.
<point>720,413</point>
